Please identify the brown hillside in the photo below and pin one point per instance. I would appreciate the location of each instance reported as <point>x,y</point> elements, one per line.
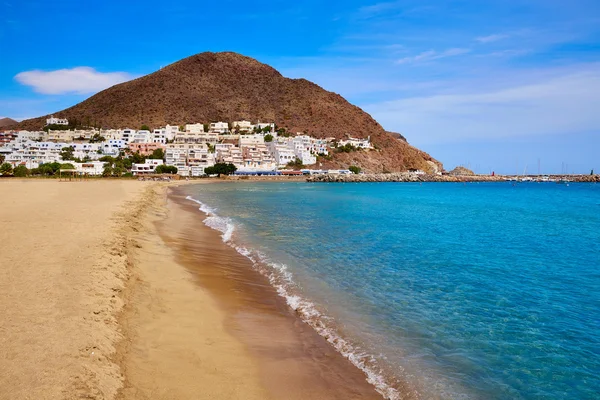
<point>228,86</point>
<point>7,122</point>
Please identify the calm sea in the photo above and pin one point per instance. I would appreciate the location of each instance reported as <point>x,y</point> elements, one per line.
<point>435,290</point>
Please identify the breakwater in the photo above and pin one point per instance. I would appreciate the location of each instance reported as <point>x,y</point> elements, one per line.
<point>411,177</point>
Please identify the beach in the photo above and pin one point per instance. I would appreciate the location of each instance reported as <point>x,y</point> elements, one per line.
<point>113,289</point>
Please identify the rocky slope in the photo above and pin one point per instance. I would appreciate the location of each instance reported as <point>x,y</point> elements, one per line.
<point>228,86</point>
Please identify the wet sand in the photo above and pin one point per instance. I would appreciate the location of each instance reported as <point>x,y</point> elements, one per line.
<point>293,361</point>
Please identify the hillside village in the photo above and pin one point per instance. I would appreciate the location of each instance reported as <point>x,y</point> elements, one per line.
<point>254,149</point>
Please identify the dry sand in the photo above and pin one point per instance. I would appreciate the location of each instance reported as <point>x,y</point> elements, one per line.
<point>62,267</point>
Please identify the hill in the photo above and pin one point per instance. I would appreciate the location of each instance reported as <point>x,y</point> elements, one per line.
<point>7,122</point>
<point>228,86</point>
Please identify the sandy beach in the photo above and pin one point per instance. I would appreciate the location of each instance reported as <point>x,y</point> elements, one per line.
<point>115,290</point>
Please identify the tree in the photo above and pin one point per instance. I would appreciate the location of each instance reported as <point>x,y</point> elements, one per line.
<point>66,154</point>
<point>67,166</point>
<point>107,171</point>
<point>97,138</point>
<point>6,169</point>
<point>145,128</point>
<point>297,163</point>
<point>166,169</point>
<point>158,154</point>
<point>347,148</point>
<point>21,171</point>
<point>354,169</point>
<point>220,169</point>
<point>268,138</point>
<point>137,158</point>
<point>267,129</point>
<point>107,159</point>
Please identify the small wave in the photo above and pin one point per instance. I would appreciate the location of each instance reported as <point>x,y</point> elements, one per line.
<point>282,280</point>
<point>214,221</point>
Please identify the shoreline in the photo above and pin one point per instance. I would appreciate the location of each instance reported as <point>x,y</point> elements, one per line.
<point>199,322</point>
<point>294,361</point>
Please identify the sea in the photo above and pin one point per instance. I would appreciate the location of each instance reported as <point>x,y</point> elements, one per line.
<point>434,290</point>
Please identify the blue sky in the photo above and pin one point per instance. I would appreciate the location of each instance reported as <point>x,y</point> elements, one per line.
<point>494,85</point>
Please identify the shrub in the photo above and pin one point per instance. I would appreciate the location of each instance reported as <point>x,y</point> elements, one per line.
<point>6,169</point>
<point>354,169</point>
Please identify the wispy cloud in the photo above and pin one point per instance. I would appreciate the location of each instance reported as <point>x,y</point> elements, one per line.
<point>563,104</point>
<point>377,8</point>
<point>79,80</point>
<point>491,38</point>
<point>431,55</point>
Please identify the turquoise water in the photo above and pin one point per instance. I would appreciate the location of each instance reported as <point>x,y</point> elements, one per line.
<point>437,290</point>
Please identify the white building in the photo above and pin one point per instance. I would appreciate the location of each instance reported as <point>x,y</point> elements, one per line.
<point>34,154</point>
<point>270,125</point>
<point>142,137</point>
<point>25,136</point>
<point>302,145</point>
<point>219,127</point>
<point>94,168</point>
<point>111,134</point>
<point>229,153</point>
<point>113,147</point>
<point>198,159</point>
<point>319,146</point>
<point>242,126</point>
<point>159,136</point>
<point>357,142</point>
<point>282,154</point>
<point>127,135</point>
<point>194,128</point>
<point>251,140</point>
<point>199,137</point>
<point>148,167</point>
<point>57,121</point>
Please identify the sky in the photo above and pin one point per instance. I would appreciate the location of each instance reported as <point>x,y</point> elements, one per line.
<point>510,86</point>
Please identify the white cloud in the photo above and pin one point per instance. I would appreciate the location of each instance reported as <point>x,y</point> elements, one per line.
<point>491,38</point>
<point>562,104</point>
<point>432,55</point>
<point>79,80</point>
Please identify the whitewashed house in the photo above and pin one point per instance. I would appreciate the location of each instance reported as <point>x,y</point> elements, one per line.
<point>251,140</point>
<point>282,154</point>
<point>142,136</point>
<point>219,127</point>
<point>194,128</point>
<point>242,126</point>
<point>127,135</point>
<point>113,147</point>
<point>93,168</point>
<point>56,121</point>
<point>357,142</point>
<point>148,167</point>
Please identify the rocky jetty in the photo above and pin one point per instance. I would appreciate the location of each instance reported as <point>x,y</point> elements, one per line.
<point>401,177</point>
